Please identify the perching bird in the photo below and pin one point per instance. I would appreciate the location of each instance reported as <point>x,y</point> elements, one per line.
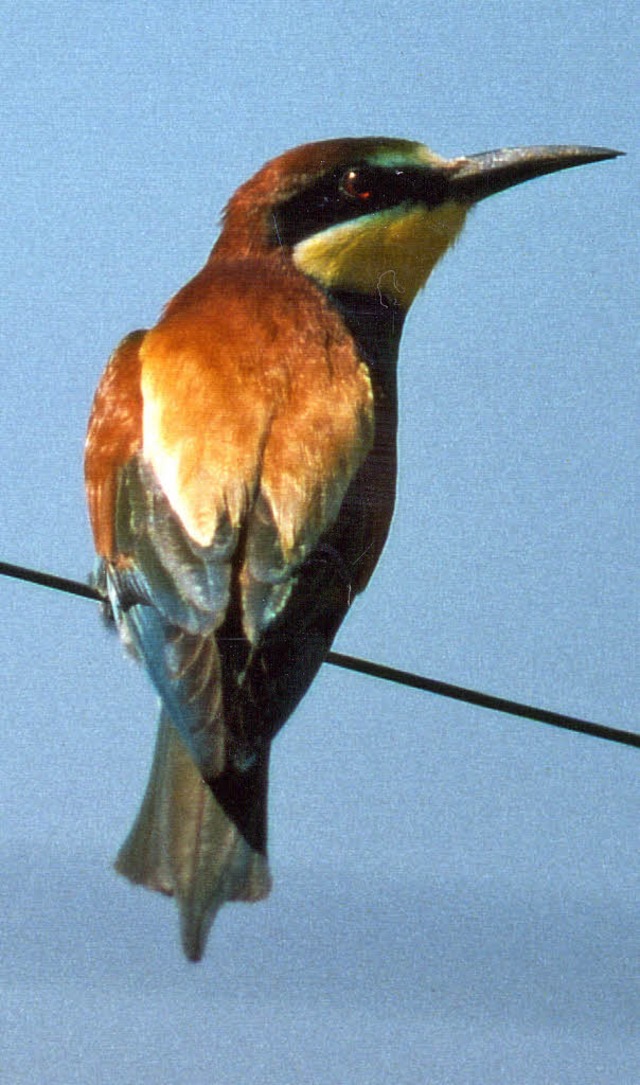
<point>240,471</point>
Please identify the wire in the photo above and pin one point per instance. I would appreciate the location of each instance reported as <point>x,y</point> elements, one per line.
<point>484,700</point>
<point>379,670</point>
<point>48,580</point>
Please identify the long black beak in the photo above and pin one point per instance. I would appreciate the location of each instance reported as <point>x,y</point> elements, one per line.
<point>477,176</point>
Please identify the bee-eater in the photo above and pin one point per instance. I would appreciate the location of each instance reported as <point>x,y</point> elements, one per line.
<point>240,472</point>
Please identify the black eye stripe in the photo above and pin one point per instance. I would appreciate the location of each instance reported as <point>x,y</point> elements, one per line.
<point>351,192</point>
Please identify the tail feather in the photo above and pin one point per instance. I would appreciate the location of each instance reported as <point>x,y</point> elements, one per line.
<point>183,844</point>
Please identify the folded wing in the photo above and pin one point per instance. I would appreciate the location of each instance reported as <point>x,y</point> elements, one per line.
<point>216,476</point>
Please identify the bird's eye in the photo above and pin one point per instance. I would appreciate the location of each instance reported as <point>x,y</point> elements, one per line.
<point>356,185</point>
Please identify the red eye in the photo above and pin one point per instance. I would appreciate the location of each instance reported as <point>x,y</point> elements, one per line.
<point>356,185</point>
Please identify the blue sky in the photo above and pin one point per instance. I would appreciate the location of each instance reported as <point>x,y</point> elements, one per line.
<point>455,893</point>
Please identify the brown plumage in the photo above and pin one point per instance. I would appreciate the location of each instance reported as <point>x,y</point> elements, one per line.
<point>240,470</point>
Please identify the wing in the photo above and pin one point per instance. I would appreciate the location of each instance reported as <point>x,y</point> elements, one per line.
<point>213,500</point>
<point>238,504</point>
<point>114,436</point>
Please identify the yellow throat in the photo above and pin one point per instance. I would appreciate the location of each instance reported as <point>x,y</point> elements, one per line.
<point>390,253</point>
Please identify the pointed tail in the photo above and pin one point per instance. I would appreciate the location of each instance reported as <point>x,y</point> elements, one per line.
<point>184,844</point>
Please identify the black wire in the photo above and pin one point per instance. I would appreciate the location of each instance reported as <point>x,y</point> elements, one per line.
<point>379,670</point>
<point>484,700</point>
<point>48,580</point>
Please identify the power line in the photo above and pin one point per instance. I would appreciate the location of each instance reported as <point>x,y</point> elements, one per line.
<point>48,580</point>
<point>484,700</point>
<point>379,670</point>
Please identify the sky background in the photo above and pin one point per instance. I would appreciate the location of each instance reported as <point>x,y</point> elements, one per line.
<point>456,893</point>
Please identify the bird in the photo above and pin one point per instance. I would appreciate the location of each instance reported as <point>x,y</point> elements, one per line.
<point>240,469</point>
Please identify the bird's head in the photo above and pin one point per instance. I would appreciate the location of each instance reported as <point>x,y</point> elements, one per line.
<point>374,216</point>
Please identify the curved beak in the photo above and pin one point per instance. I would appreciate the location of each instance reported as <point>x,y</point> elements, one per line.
<point>476,176</point>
